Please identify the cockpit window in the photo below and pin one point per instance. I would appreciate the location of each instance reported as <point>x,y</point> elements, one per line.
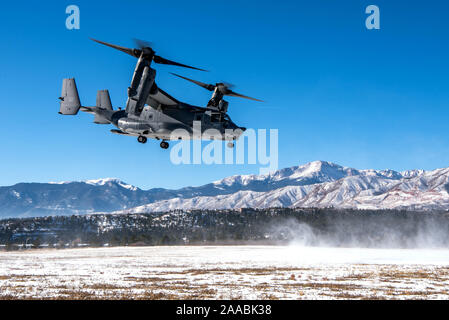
<point>215,117</point>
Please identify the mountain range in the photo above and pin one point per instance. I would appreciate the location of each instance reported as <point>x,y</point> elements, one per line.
<point>316,184</point>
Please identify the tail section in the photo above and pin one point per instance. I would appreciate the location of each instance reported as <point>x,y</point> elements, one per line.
<point>103,100</point>
<point>70,100</point>
<point>103,106</point>
<point>70,103</point>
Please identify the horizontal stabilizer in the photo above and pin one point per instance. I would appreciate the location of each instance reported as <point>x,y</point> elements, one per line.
<point>70,100</point>
<point>88,109</point>
<point>98,113</point>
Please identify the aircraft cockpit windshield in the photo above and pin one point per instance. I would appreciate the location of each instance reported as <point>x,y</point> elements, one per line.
<point>220,117</point>
<point>216,117</point>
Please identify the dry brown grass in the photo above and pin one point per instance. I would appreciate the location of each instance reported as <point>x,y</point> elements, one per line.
<point>414,274</point>
<point>204,284</point>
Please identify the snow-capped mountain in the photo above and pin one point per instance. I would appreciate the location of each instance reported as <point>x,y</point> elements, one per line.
<point>316,184</point>
<point>322,184</point>
<point>109,182</point>
<point>62,198</point>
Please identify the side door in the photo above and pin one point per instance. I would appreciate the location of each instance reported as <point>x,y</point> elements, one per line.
<point>149,114</point>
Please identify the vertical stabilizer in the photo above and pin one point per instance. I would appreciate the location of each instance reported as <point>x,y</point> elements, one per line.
<point>104,100</point>
<point>70,101</point>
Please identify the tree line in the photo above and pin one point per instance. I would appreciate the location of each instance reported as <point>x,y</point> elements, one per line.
<point>315,226</point>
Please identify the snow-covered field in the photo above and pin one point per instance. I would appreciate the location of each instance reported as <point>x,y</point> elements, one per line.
<point>225,272</point>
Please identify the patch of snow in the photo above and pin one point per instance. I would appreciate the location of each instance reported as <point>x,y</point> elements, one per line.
<point>105,181</point>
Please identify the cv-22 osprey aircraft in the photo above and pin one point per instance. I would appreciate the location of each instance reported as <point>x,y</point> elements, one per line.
<point>152,113</point>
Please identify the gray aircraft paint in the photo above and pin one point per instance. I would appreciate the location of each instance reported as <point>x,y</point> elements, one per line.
<point>150,112</point>
<point>70,101</point>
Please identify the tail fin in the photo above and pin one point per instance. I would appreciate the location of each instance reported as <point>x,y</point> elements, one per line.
<point>70,101</point>
<point>103,100</point>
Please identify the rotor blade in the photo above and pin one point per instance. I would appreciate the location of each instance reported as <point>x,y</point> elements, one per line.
<point>201,84</point>
<point>123,49</point>
<point>159,59</point>
<point>235,94</point>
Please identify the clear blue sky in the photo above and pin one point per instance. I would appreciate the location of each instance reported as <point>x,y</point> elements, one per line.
<point>335,90</point>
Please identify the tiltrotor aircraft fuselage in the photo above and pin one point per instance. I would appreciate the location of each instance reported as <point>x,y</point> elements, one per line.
<point>152,113</point>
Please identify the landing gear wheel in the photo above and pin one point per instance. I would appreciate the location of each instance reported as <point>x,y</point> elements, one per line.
<point>230,144</point>
<point>142,139</point>
<point>164,145</point>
